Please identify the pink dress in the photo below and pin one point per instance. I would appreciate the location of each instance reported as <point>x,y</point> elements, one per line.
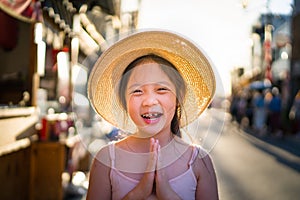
<point>184,185</point>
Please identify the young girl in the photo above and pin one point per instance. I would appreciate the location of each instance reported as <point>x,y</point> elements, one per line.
<point>152,84</point>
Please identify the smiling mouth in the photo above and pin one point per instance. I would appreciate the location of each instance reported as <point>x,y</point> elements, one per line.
<point>151,115</point>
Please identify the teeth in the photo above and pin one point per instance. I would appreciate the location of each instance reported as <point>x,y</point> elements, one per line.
<point>150,115</point>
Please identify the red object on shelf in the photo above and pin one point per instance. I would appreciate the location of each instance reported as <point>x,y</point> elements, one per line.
<point>9,37</point>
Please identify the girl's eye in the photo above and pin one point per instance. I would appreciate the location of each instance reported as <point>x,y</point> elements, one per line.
<point>163,89</point>
<point>136,91</point>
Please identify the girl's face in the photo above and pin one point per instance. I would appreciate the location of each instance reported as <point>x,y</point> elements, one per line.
<point>150,99</point>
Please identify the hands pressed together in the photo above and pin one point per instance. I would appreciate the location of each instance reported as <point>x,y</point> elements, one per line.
<point>154,179</point>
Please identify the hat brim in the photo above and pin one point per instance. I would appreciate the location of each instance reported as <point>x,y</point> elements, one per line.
<point>190,61</point>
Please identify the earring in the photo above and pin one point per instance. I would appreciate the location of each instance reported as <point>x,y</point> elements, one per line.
<point>178,111</point>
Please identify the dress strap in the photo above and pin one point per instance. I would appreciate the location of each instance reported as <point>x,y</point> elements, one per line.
<point>112,153</point>
<point>194,155</point>
<point>198,151</point>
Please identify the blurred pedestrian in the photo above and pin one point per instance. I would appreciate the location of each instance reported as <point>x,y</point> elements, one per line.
<point>234,107</point>
<point>294,114</point>
<point>259,116</point>
<point>151,84</point>
<point>274,109</point>
<point>249,110</point>
<point>241,109</point>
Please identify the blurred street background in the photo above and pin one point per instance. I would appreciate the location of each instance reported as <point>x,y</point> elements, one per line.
<point>50,133</point>
<point>255,167</point>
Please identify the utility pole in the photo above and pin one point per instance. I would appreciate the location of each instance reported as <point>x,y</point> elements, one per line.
<point>295,60</point>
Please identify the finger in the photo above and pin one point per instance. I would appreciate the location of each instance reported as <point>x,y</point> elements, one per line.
<point>152,155</point>
<point>159,158</point>
<point>152,142</point>
<point>155,146</point>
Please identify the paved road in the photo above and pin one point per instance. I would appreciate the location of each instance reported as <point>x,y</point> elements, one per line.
<point>248,167</point>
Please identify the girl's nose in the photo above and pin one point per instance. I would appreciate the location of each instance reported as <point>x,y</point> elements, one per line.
<point>150,99</point>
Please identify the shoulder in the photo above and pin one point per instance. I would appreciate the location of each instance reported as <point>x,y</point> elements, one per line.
<point>203,163</point>
<point>104,154</point>
<point>201,151</point>
<point>207,187</point>
<point>107,152</point>
<point>99,178</point>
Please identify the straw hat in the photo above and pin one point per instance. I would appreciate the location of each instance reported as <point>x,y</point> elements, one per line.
<point>189,60</point>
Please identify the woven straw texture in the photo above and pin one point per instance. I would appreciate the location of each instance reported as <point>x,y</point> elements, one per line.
<point>185,56</point>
